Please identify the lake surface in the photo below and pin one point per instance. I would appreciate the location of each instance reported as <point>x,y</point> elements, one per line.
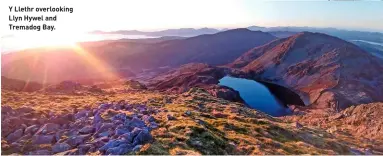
<point>256,96</point>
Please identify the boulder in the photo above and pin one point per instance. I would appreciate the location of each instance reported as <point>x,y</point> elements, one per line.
<point>225,93</point>
<point>105,126</point>
<point>60,147</point>
<point>84,148</point>
<point>87,130</point>
<point>153,125</point>
<point>43,139</point>
<point>120,131</point>
<point>148,118</point>
<point>135,122</point>
<point>111,144</point>
<point>48,128</point>
<point>133,84</point>
<point>120,150</point>
<point>170,117</point>
<point>99,142</point>
<point>40,152</point>
<point>121,116</point>
<point>104,106</point>
<point>31,129</point>
<point>77,140</point>
<point>83,113</point>
<point>126,137</point>
<point>105,134</point>
<point>15,135</point>
<point>143,137</point>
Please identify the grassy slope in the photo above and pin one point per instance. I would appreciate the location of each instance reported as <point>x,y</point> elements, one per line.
<point>213,126</point>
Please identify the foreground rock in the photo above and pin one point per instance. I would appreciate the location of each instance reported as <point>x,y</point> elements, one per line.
<point>105,131</point>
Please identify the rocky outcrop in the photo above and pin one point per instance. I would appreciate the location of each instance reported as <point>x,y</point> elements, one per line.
<point>107,129</point>
<point>325,71</point>
<point>195,75</point>
<point>187,76</point>
<point>133,84</point>
<point>19,85</point>
<point>362,121</point>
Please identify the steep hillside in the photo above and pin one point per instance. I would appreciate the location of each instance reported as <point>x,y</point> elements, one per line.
<point>326,71</point>
<point>123,58</point>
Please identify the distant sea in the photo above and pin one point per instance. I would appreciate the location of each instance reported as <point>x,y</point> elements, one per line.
<point>374,43</point>
<point>16,43</point>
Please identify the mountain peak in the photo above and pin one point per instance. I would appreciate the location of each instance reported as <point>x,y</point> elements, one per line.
<point>319,67</point>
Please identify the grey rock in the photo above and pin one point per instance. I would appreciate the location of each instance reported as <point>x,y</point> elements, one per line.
<point>121,131</point>
<point>59,134</point>
<point>40,152</point>
<point>69,117</point>
<point>31,129</point>
<point>148,118</point>
<point>99,142</point>
<point>356,151</point>
<point>77,140</point>
<point>15,135</point>
<point>105,126</point>
<point>83,113</point>
<point>84,148</point>
<point>135,131</point>
<point>170,117</point>
<point>105,134</point>
<point>188,113</point>
<point>153,125</point>
<point>60,147</point>
<point>25,138</point>
<point>111,144</point>
<point>143,137</point>
<point>47,128</point>
<point>104,106</point>
<point>135,122</point>
<point>97,118</point>
<point>87,130</point>
<point>43,139</point>
<point>121,116</point>
<point>119,150</point>
<point>126,137</point>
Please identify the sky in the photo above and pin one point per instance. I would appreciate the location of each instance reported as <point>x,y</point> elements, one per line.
<point>164,14</point>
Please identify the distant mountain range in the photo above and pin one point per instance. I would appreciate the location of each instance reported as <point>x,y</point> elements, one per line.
<point>276,31</point>
<point>125,57</point>
<point>185,32</point>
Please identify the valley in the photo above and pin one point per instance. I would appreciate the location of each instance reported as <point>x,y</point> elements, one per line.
<point>231,92</point>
